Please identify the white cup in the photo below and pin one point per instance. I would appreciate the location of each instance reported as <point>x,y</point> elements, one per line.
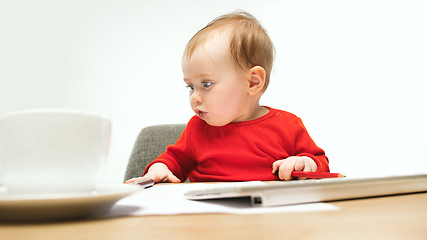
<point>52,150</point>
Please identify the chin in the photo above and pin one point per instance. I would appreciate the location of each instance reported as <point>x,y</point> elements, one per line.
<point>216,124</point>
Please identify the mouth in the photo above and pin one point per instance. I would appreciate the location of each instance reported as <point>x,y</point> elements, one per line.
<point>200,113</point>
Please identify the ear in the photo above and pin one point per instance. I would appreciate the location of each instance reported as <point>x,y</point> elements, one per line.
<point>256,79</point>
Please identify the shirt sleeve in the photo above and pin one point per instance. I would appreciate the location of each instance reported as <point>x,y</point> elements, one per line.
<point>305,146</point>
<point>178,157</point>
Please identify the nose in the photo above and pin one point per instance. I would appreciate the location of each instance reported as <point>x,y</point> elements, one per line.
<point>195,98</point>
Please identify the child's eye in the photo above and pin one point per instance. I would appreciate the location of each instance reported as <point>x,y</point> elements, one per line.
<point>206,84</point>
<point>191,87</point>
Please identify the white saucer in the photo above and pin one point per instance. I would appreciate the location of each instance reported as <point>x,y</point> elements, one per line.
<point>36,207</point>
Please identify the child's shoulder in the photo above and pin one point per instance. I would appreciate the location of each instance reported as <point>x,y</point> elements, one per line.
<point>282,114</point>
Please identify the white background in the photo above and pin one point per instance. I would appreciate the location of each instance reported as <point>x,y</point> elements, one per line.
<point>354,71</point>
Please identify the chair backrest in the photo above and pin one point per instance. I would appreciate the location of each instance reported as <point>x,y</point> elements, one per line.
<point>150,143</point>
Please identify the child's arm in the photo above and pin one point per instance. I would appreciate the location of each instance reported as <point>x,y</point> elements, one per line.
<point>159,172</point>
<point>283,168</point>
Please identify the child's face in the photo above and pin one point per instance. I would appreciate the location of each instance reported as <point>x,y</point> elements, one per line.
<point>218,88</point>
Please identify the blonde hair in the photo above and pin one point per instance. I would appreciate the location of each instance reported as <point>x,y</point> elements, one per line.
<point>250,44</point>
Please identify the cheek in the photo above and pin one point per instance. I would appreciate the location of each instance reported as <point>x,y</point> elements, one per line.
<point>233,95</point>
<point>228,101</point>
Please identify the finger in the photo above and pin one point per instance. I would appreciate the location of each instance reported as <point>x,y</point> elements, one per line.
<point>300,165</point>
<point>156,178</point>
<point>172,178</point>
<point>313,166</point>
<point>132,180</point>
<point>307,167</point>
<point>276,165</point>
<point>286,169</point>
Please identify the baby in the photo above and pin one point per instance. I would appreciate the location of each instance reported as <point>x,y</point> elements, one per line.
<point>226,66</point>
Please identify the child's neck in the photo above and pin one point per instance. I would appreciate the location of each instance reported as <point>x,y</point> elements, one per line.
<point>259,111</point>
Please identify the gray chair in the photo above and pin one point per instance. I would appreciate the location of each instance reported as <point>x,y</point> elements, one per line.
<point>150,143</point>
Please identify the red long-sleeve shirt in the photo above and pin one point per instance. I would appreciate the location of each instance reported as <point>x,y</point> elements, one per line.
<point>242,151</point>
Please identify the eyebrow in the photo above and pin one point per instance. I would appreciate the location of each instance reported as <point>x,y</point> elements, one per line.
<point>199,76</point>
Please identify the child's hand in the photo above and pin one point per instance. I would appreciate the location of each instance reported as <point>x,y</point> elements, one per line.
<point>286,166</point>
<point>159,172</point>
